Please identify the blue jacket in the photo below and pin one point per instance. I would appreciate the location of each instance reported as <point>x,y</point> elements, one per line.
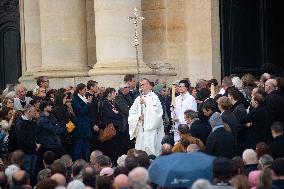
<point>50,132</point>
<point>82,121</point>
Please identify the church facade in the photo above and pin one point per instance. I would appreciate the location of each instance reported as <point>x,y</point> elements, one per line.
<point>74,40</point>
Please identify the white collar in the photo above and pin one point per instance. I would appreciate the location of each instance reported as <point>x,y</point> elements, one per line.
<point>24,118</point>
<point>83,98</point>
<point>184,96</point>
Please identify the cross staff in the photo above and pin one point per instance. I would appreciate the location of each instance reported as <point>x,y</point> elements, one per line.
<point>135,19</point>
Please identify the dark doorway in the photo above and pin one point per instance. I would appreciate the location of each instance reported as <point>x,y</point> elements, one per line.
<point>10,53</point>
<point>277,26</point>
<point>251,35</point>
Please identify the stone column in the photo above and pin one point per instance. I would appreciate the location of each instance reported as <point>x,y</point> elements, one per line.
<point>202,40</point>
<point>63,38</point>
<point>163,32</point>
<point>115,37</point>
<point>30,38</point>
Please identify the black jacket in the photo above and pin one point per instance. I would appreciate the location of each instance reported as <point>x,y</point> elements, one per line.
<point>211,101</point>
<point>243,99</point>
<point>275,106</point>
<point>251,167</point>
<point>230,119</point>
<point>109,116</point>
<point>27,135</point>
<point>277,147</point>
<point>62,115</point>
<point>239,110</point>
<point>12,142</point>
<point>50,132</point>
<point>220,143</point>
<point>123,103</point>
<point>200,129</point>
<point>258,132</point>
<point>277,184</point>
<point>94,114</point>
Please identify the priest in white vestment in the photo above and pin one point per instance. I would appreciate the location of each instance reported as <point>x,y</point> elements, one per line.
<point>145,121</point>
<point>183,102</point>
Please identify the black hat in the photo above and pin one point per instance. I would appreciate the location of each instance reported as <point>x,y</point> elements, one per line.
<point>44,104</point>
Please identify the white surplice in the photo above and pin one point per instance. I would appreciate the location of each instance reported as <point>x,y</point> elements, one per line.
<point>150,133</point>
<point>182,103</point>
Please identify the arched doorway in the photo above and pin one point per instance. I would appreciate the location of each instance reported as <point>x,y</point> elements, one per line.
<point>10,54</point>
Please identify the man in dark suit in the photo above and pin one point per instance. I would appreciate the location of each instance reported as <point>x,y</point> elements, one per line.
<point>205,101</point>
<point>94,113</point>
<point>274,101</point>
<point>199,129</point>
<point>123,102</point>
<point>256,127</point>
<point>130,80</point>
<point>228,85</point>
<point>228,117</point>
<point>220,142</point>
<point>27,138</point>
<point>276,147</point>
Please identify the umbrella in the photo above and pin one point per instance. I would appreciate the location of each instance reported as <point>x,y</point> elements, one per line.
<point>180,169</point>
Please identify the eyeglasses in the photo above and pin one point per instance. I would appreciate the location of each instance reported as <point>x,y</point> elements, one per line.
<point>181,86</point>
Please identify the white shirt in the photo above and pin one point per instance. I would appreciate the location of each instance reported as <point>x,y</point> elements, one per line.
<point>182,103</point>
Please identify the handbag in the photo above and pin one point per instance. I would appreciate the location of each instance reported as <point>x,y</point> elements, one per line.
<point>70,126</point>
<point>108,133</point>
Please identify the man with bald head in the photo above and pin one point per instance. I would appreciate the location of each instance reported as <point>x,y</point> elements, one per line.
<point>121,181</point>
<point>21,178</point>
<point>139,178</point>
<point>145,120</point>
<point>274,102</point>
<point>166,149</point>
<point>59,178</point>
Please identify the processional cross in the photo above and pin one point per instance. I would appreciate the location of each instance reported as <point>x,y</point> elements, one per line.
<point>135,19</point>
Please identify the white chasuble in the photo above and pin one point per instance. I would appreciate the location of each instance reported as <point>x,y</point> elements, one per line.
<point>148,134</point>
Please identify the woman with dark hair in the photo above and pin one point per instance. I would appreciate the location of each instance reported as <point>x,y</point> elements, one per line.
<point>8,103</point>
<point>5,125</point>
<point>82,131</point>
<point>110,114</point>
<point>12,139</point>
<point>262,149</point>
<point>63,116</point>
<point>35,102</point>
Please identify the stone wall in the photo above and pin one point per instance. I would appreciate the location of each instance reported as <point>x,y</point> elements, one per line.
<point>65,39</point>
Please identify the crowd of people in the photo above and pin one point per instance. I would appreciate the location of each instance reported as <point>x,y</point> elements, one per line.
<point>90,136</point>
